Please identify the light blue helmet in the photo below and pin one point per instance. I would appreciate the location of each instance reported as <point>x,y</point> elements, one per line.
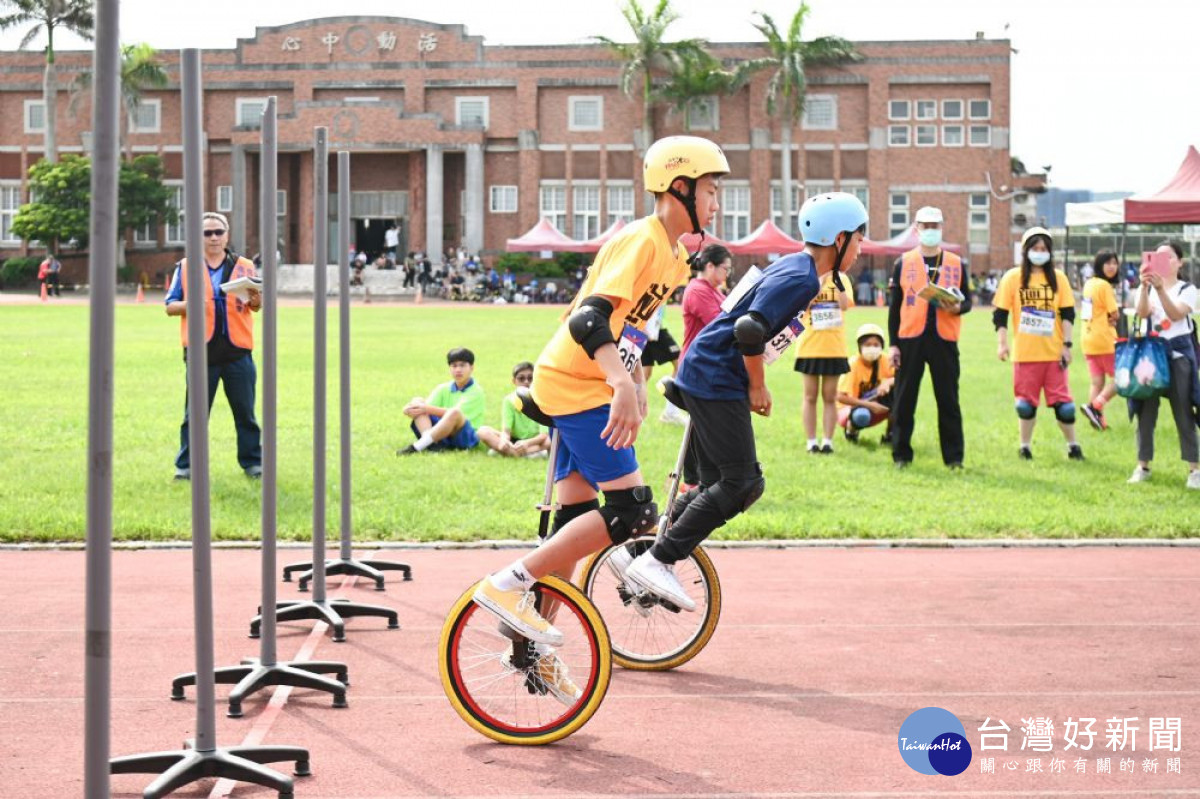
<point>824,216</point>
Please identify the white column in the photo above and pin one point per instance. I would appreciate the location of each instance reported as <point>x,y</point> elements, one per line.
<point>473,235</point>
<point>433,203</point>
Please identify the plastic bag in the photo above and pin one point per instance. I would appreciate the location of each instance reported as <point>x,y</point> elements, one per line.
<point>1143,368</point>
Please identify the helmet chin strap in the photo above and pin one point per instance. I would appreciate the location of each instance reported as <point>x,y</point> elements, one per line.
<point>688,201</point>
<point>837,263</point>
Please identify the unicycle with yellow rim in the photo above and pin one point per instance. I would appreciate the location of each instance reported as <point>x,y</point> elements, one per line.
<point>650,633</point>
<point>511,689</point>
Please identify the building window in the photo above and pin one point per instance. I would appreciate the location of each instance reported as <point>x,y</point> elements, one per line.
<point>898,135</point>
<point>952,109</point>
<point>147,235</point>
<point>864,196</point>
<point>620,203</point>
<point>503,200</point>
<point>146,117</point>
<point>979,222</point>
<point>176,230</point>
<point>225,199</point>
<point>703,113</point>
<point>814,187</point>
<point>552,204</point>
<point>471,111</point>
<point>980,109</point>
<point>897,213</point>
<point>250,112</point>
<point>952,135</point>
<point>586,113</point>
<point>10,203</point>
<point>981,135</point>
<point>926,109</point>
<point>926,135</point>
<point>899,109</point>
<point>280,202</point>
<point>735,212</point>
<point>585,204</point>
<point>35,116</point>
<point>820,112</point>
<point>789,225</point>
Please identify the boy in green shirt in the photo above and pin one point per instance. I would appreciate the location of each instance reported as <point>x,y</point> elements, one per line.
<point>448,419</point>
<point>518,436</point>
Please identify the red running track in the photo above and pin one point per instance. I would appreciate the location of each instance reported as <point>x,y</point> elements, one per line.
<point>820,656</point>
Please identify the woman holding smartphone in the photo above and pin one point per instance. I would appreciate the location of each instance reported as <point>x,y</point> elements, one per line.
<point>1169,304</point>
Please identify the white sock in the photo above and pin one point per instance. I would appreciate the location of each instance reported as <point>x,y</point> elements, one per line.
<point>812,443</point>
<point>826,442</point>
<point>513,577</point>
<point>423,443</point>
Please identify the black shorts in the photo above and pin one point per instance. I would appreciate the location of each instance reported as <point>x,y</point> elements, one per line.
<point>661,350</point>
<point>822,366</point>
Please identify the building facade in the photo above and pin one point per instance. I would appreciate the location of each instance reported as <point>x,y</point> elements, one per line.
<point>463,144</point>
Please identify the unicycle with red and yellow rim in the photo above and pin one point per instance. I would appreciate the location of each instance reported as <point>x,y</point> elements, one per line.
<point>507,687</point>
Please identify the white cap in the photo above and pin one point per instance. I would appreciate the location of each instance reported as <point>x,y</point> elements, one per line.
<point>929,214</point>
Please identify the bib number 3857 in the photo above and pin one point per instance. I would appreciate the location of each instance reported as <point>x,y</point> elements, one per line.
<point>630,347</point>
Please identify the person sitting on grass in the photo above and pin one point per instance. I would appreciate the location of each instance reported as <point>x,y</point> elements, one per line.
<point>447,420</point>
<point>518,436</point>
<point>864,393</point>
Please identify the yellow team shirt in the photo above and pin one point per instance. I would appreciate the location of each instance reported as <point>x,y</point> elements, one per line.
<point>639,270</point>
<point>858,382</point>
<point>824,322</point>
<point>1099,334</point>
<point>1034,310</point>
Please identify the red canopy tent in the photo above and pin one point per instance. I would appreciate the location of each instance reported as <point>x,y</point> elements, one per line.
<point>900,244</point>
<point>594,244</point>
<point>542,237</point>
<point>692,240</point>
<point>1178,202</point>
<point>766,239</point>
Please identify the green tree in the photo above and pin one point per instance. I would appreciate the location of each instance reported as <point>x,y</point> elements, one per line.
<point>140,72</point>
<point>789,56</point>
<point>649,54</point>
<point>48,15</point>
<point>696,75</point>
<point>60,212</point>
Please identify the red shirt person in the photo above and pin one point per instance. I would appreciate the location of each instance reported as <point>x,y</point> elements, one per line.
<point>702,298</point>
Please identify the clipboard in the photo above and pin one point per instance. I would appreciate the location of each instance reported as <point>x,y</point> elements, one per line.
<point>240,288</point>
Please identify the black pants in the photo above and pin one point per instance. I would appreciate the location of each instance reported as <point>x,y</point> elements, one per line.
<point>942,358</point>
<point>723,441</point>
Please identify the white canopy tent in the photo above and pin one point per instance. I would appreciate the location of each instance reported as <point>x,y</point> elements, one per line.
<point>1105,212</point>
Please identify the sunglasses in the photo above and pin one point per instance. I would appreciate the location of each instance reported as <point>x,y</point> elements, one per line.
<point>524,378</point>
<point>214,232</point>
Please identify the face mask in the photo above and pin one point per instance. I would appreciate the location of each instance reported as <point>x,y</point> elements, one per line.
<point>871,353</point>
<point>1039,257</point>
<point>930,237</point>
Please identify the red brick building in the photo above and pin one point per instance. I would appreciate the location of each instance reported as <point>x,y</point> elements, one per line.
<point>458,142</point>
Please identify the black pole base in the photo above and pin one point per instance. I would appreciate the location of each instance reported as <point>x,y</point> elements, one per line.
<point>371,569</point>
<point>332,612</point>
<point>241,763</point>
<point>253,676</point>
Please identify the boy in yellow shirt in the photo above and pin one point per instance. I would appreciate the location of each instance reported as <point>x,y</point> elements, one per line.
<point>864,393</point>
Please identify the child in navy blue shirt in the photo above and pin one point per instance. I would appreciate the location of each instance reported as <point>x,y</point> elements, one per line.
<point>722,382</point>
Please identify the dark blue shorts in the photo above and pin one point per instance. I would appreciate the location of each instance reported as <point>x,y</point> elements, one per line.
<point>580,449</point>
<point>465,438</point>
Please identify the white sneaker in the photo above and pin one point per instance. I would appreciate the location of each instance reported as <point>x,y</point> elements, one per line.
<point>673,415</point>
<point>659,579</point>
<point>1193,480</point>
<point>620,560</point>
<point>1141,475</point>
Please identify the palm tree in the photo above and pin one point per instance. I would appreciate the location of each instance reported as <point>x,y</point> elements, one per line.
<point>697,74</point>
<point>72,15</point>
<point>140,72</point>
<point>789,56</point>
<point>649,53</point>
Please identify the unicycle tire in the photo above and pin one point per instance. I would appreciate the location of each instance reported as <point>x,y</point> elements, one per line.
<point>491,675</point>
<point>649,634</point>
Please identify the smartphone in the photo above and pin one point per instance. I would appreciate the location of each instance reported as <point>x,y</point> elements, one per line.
<point>1156,263</point>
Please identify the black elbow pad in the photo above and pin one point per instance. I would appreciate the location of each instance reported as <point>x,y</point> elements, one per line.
<point>1067,314</point>
<point>999,318</point>
<point>589,324</point>
<point>750,333</point>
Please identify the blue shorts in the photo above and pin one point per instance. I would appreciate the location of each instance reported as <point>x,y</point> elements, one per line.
<point>465,438</point>
<point>580,449</point>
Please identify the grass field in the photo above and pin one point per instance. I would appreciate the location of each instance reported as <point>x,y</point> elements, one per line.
<point>398,353</point>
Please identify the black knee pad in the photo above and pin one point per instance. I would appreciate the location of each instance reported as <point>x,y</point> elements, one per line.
<point>736,493</point>
<point>568,513</point>
<point>1026,409</point>
<point>629,512</point>
<point>683,500</point>
<point>1065,412</point>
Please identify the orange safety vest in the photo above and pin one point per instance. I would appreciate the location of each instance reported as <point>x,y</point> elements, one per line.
<point>237,313</point>
<point>914,309</point>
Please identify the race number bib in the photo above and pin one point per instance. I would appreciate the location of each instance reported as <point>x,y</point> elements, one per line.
<point>1037,323</point>
<point>630,347</point>
<point>779,344</point>
<point>825,315</point>
<point>1085,311</point>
